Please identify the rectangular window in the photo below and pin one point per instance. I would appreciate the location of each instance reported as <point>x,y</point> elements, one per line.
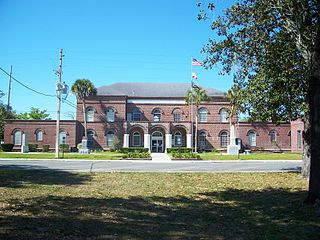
<point>129,116</point>
<point>136,140</point>
<point>176,117</point>
<point>299,139</point>
<point>136,116</point>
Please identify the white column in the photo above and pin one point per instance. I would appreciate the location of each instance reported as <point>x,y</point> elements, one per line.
<point>168,141</point>
<point>146,141</point>
<point>24,144</point>
<point>189,140</point>
<point>125,140</point>
<point>232,136</point>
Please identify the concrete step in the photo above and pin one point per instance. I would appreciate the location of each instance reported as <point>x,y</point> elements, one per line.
<point>160,157</point>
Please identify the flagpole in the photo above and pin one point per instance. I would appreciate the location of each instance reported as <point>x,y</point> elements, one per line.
<point>192,132</point>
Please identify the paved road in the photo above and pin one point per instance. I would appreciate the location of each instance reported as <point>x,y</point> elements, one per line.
<point>149,166</point>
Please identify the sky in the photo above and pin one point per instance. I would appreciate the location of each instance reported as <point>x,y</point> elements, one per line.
<point>104,41</point>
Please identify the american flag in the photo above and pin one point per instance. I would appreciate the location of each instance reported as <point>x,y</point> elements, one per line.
<point>195,62</point>
<point>194,76</point>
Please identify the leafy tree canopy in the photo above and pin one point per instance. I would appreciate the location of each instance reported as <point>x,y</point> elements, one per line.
<point>35,113</point>
<point>267,43</point>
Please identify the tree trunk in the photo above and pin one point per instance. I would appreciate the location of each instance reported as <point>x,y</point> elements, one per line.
<point>314,108</point>
<point>84,118</point>
<point>305,172</point>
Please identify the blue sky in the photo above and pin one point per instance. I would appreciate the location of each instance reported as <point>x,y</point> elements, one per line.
<point>105,41</point>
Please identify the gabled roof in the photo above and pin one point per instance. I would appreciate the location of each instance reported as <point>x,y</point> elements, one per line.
<point>148,89</point>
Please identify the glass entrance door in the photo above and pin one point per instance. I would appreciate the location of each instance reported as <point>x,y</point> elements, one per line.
<point>157,142</point>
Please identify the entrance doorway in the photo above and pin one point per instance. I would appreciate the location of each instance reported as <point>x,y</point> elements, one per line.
<point>157,142</point>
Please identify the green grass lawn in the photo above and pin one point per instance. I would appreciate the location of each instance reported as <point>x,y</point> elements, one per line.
<point>91,156</point>
<point>63,205</point>
<point>252,156</point>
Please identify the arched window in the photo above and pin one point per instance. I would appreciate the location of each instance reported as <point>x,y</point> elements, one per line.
<point>157,115</point>
<point>90,138</point>
<point>110,115</point>
<point>39,135</point>
<point>62,137</point>
<point>136,139</point>
<point>90,114</point>
<point>273,136</point>
<point>252,138</point>
<point>110,138</point>
<point>223,139</point>
<point>203,115</point>
<point>17,135</point>
<point>224,115</point>
<point>177,115</point>
<point>202,140</point>
<point>136,115</point>
<point>177,139</point>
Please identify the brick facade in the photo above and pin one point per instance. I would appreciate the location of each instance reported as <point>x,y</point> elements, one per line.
<point>161,121</point>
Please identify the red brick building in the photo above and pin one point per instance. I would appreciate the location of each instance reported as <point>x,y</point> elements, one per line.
<point>155,116</point>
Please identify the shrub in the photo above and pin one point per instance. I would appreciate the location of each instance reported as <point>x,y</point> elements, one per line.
<point>45,147</point>
<point>7,147</point>
<point>179,150</point>
<point>134,149</point>
<point>64,147</point>
<point>32,147</point>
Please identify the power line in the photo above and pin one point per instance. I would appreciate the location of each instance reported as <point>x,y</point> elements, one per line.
<point>29,88</point>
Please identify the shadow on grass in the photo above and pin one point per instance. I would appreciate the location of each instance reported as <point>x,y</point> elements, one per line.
<point>230,214</point>
<point>25,175</point>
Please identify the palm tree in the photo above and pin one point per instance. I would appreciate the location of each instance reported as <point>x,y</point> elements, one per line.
<point>196,95</point>
<point>82,89</point>
<point>233,95</point>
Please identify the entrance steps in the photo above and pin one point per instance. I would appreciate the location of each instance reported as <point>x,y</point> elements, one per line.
<point>160,157</point>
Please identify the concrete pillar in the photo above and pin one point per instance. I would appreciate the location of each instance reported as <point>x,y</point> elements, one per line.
<point>24,144</point>
<point>146,143</point>
<point>189,141</point>
<point>168,141</point>
<point>125,140</point>
<point>232,136</point>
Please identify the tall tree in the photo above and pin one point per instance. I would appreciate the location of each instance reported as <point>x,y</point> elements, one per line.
<point>5,114</point>
<point>35,113</point>
<point>196,96</point>
<point>275,45</point>
<point>82,89</point>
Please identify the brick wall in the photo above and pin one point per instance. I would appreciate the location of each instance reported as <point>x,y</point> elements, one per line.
<point>263,138</point>
<point>297,128</point>
<point>48,128</point>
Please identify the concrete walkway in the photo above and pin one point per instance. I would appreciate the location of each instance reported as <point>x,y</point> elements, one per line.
<point>160,157</point>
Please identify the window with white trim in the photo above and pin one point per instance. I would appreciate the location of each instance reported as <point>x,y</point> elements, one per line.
<point>39,135</point>
<point>177,139</point>
<point>136,115</point>
<point>202,140</point>
<point>110,138</point>
<point>17,137</point>
<point>224,115</point>
<point>136,139</point>
<point>62,137</point>
<point>223,139</point>
<point>110,115</point>
<point>203,115</point>
<point>90,114</point>
<point>157,115</point>
<point>252,139</point>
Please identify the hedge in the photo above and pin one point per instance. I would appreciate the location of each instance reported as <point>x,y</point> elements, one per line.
<point>32,147</point>
<point>134,149</point>
<point>179,150</point>
<point>45,147</point>
<point>64,148</point>
<point>7,147</point>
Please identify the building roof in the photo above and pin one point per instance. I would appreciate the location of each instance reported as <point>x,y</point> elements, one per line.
<point>148,89</point>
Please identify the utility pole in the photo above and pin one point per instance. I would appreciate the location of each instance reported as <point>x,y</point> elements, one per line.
<point>9,89</point>
<point>58,90</point>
